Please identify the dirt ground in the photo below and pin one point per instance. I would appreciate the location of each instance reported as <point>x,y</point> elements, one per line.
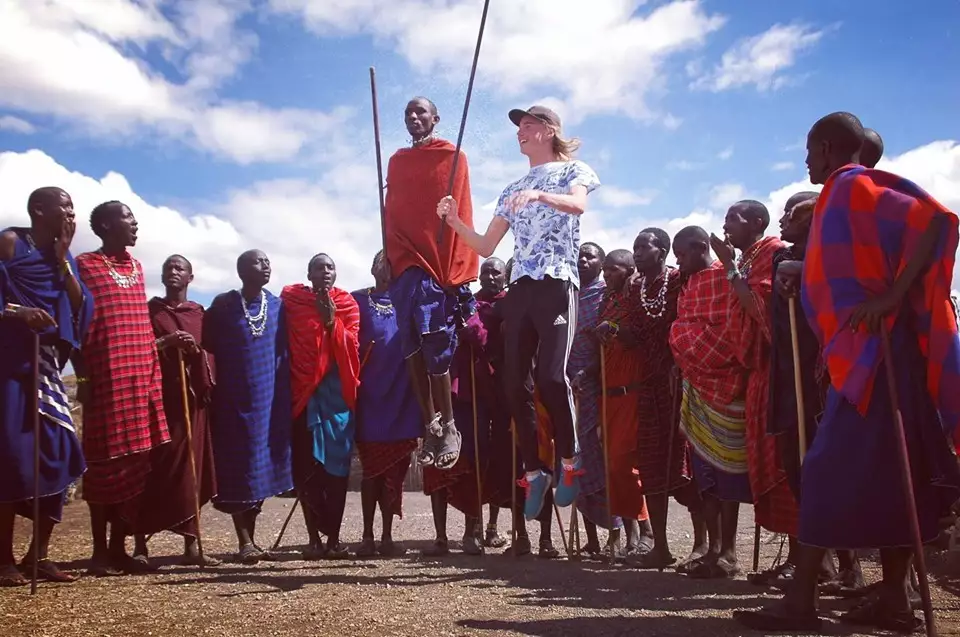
<point>458,595</point>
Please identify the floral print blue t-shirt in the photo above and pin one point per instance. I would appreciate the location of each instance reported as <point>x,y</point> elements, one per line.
<point>547,241</point>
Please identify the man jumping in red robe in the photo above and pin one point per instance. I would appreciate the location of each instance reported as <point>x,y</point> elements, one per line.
<point>429,288</point>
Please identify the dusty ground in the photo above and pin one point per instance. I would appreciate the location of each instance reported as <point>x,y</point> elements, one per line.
<point>458,595</point>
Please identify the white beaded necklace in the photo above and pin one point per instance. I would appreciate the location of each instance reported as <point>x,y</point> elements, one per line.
<point>123,281</point>
<point>655,307</point>
<point>382,309</point>
<point>258,323</point>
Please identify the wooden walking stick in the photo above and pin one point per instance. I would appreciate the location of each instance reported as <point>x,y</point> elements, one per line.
<point>376,141</point>
<point>293,509</point>
<point>192,455</point>
<point>574,520</point>
<point>605,440</point>
<point>476,442</point>
<point>563,532</point>
<point>513,488</point>
<point>463,118</point>
<point>674,425</point>
<point>797,380</point>
<point>907,481</point>
<point>34,405</point>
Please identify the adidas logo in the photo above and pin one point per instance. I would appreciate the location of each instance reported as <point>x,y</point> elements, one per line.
<point>560,320</point>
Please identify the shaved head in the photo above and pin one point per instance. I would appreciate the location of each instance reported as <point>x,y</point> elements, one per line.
<point>754,211</point>
<point>799,197</point>
<point>620,257</point>
<point>691,233</point>
<point>842,130</point>
<point>872,149</point>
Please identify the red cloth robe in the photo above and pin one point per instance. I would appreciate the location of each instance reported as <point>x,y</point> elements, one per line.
<point>775,507</point>
<point>417,180</point>
<point>313,348</point>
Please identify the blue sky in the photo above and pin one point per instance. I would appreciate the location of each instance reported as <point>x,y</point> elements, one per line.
<point>231,124</point>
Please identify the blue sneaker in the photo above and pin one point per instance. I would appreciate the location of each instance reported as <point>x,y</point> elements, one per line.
<point>569,486</point>
<point>535,492</point>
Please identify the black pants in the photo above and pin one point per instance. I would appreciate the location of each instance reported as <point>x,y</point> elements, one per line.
<point>540,319</point>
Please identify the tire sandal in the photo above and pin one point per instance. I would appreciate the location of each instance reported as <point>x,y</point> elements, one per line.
<point>651,560</point>
<point>548,551</point>
<point>877,614</point>
<point>389,548</point>
<point>720,569</point>
<point>47,570</point>
<point>493,539</point>
<point>248,554</point>
<point>11,577</point>
<point>449,443</point>
<point>367,548</point>
<point>439,548</point>
<point>337,552</point>
<point>471,545</point>
<point>520,548</point>
<point>779,575</point>
<point>430,447</point>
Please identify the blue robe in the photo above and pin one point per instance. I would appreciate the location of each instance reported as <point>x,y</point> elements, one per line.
<point>387,409</point>
<point>251,411</point>
<point>32,278</point>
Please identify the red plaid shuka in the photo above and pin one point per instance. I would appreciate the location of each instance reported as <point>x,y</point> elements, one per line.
<point>774,504</point>
<point>865,230</point>
<point>125,415</point>
<point>700,338</point>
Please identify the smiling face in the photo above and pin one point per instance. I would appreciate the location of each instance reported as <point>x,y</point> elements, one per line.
<point>420,118</point>
<point>534,136</point>
<point>177,273</point>
<point>493,274</point>
<point>322,272</point>
<point>253,267</point>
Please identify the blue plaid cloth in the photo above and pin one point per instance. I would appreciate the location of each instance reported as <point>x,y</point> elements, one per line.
<point>252,404</point>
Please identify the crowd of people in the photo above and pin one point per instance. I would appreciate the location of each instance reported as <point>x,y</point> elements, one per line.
<point>606,380</point>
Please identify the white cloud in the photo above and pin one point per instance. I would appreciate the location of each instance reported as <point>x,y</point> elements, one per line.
<point>616,197</point>
<point>64,59</point>
<point>16,125</point>
<point>725,154</point>
<point>723,196</point>
<point>606,60</point>
<point>782,166</point>
<point>760,60</point>
<point>291,220</point>
<point>684,165</point>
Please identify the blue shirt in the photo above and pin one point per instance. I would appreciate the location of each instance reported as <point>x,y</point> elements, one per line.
<point>547,241</point>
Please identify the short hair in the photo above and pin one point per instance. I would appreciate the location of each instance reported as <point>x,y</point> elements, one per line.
<point>755,210</point>
<point>660,238</point>
<point>317,256</point>
<point>178,256</point>
<point>800,197</point>
<point>379,255</point>
<point>621,257</point>
<point>691,233</point>
<point>600,252</point>
<point>433,107</point>
<point>496,260</point>
<point>843,130</point>
<point>100,214</point>
<point>872,150</point>
<point>40,196</point>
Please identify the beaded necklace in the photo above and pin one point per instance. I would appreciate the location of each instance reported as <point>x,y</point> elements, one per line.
<point>124,281</point>
<point>382,309</point>
<point>258,323</point>
<point>655,307</point>
<point>745,262</point>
